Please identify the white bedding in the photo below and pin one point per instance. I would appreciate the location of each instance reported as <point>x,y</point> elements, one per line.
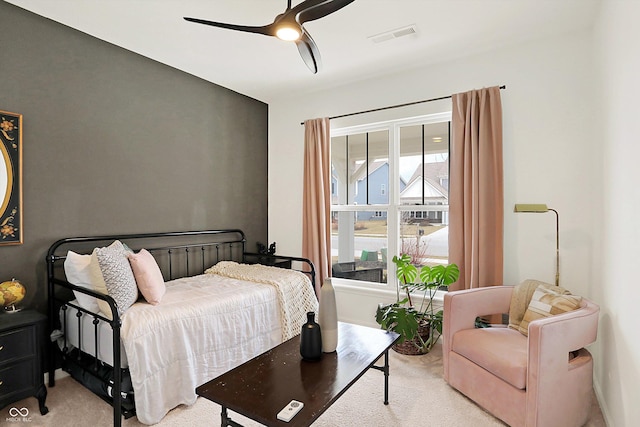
<point>204,326</point>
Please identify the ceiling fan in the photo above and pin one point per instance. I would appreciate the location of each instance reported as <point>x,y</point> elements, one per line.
<point>288,26</point>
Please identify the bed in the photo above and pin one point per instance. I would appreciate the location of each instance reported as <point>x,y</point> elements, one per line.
<point>202,305</point>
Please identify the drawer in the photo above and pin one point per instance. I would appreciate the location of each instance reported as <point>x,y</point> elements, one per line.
<point>17,343</point>
<point>17,377</point>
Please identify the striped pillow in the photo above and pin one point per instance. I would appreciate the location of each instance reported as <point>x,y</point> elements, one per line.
<point>548,300</point>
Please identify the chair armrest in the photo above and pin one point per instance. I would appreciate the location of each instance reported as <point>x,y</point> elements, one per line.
<point>550,371</point>
<point>565,332</point>
<point>462,307</point>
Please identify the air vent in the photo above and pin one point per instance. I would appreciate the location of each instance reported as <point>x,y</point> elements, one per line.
<point>393,34</point>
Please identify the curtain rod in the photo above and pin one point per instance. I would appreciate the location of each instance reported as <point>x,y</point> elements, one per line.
<point>394,106</point>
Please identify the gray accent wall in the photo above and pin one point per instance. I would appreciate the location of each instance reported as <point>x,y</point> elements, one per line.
<point>114,142</point>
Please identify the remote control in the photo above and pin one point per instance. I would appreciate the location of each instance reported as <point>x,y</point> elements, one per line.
<point>290,411</point>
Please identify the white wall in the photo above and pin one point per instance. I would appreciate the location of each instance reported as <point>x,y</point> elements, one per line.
<point>618,353</point>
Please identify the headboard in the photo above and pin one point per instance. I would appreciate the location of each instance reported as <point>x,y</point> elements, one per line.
<point>178,254</point>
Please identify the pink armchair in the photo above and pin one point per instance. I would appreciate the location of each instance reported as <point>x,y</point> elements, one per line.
<point>542,380</point>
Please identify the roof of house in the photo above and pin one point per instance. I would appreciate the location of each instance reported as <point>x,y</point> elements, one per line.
<point>433,173</point>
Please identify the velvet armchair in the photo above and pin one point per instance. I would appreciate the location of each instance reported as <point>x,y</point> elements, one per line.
<point>543,379</point>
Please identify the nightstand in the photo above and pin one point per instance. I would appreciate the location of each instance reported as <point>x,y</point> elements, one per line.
<point>22,341</point>
<point>274,261</point>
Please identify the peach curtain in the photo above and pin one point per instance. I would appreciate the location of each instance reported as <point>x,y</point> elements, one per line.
<point>316,198</point>
<point>476,203</point>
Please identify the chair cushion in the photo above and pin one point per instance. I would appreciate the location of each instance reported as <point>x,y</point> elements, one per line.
<point>501,351</point>
<point>548,300</point>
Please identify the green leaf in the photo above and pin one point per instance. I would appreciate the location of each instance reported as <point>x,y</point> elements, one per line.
<point>405,271</point>
<point>444,275</point>
<point>425,274</point>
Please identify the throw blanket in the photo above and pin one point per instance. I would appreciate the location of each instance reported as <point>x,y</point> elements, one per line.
<point>295,300</point>
<point>520,301</point>
<point>521,298</point>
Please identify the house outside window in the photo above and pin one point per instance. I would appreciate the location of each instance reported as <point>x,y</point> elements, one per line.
<point>391,196</point>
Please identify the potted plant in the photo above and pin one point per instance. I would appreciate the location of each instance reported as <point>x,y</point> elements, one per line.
<point>419,327</point>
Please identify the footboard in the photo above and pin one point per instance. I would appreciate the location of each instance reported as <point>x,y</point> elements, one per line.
<point>178,254</point>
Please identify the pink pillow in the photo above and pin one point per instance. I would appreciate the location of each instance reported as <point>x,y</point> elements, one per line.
<point>148,276</point>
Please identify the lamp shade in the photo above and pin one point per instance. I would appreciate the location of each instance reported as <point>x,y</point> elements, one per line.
<point>530,207</point>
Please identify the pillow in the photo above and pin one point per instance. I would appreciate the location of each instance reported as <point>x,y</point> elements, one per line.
<point>98,283</point>
<point>546,301</point>
<point>78,272</point>
<point>148,276</point>
<point>520,299</point>
<point>118,277</point>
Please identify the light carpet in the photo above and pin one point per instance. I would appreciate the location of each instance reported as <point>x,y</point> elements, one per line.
<point>418,395</point>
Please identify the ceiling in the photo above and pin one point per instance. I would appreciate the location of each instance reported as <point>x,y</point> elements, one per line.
<point>267,68</point>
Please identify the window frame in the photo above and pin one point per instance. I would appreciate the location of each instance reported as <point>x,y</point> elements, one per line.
<point>394,209</point>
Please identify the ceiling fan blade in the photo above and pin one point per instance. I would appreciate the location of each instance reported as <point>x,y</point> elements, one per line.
<point>310,10</point>
<point>267,30</point>
<point>309,51</point>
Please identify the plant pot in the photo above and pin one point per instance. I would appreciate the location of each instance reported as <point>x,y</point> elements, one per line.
<point>410,347</point>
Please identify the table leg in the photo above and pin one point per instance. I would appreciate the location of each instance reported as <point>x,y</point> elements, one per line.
<point>226,421</point>
<point>385,370</point>
<point>386,377</point>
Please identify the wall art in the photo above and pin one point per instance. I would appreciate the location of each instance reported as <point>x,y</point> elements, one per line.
<point>10,178</point>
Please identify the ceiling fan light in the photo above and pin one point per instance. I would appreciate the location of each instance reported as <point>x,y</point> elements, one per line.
<point>288,33</point>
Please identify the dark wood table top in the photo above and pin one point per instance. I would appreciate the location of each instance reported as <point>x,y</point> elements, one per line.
<point>261,387</point>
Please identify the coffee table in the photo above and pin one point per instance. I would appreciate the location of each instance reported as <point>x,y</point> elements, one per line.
<point>261,387</point>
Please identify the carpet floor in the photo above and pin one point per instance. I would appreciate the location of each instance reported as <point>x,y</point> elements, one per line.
<point>418,395</point>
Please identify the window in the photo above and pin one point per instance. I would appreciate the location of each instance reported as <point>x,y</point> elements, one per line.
<point>391,183</point>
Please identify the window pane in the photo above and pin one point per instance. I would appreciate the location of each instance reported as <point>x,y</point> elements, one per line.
<point>360,168</point>
<point>424,164</point>
<point>423,238</point>
<point>357,168</point>
<point>378,169</point>
<point>339,169</point>
<point>359,246</point>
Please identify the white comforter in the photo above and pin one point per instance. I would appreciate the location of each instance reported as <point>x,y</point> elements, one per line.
<point>204,326</point>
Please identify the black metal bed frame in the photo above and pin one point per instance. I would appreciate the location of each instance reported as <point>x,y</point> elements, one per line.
<point>178,254</point>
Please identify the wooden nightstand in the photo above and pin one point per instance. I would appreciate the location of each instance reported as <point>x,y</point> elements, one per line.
<point>22,341</point>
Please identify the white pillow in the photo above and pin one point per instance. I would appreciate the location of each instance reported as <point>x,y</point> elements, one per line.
<point>118,278</point>
<point>78,272</point>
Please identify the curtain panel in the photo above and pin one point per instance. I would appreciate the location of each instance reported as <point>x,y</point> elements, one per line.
<point>476,189</point>
<point>316,199</point>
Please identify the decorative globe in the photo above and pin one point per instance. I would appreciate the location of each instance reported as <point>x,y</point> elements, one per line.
<point>11,293</point>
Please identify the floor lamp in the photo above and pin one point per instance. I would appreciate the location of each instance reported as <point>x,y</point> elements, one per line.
<point>540,208</point>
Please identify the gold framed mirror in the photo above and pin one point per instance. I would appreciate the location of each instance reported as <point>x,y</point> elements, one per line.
<point>10,178</point>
